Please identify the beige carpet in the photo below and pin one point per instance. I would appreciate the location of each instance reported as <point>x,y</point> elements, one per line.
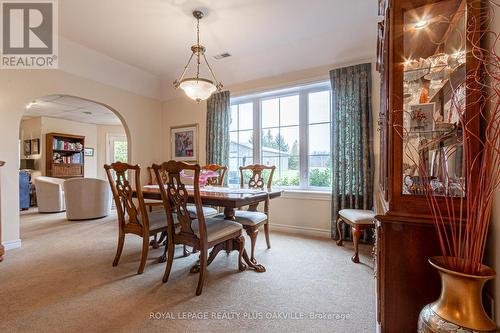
<point>61,280</point>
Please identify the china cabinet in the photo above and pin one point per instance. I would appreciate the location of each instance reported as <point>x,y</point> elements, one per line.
<point>424,59</point>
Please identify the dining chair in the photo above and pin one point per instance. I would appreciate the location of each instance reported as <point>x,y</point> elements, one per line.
<point>201,233</point>
<point>252,219</point>
<point>151,203</point>
<point>220,169</point>
<point>133,217</point>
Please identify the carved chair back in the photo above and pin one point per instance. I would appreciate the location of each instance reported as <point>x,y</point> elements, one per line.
<point>175,199</point>
<point>257,179</point>
<point>221,169</point>
<point>132,214</point>
<point>152,176</point>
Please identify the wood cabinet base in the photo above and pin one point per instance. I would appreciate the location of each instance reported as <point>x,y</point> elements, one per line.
<point>405,280</point>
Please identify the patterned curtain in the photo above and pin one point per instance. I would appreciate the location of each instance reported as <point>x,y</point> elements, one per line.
<point>351,143</point>
<point>218,120</point>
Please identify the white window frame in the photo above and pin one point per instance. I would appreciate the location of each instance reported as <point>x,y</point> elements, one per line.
<point>110,139</point>
<point>303,91</point>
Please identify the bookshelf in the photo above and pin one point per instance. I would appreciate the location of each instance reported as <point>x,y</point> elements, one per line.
<point>64,157</point>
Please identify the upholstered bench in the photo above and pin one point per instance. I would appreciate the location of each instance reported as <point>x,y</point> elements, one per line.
<point>359,220</point>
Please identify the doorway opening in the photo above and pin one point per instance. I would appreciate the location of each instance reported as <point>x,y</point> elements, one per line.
<point>62,138</point>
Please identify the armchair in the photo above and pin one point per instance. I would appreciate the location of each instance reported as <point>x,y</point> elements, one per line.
<point>87,198</point>
<point>50,194</point>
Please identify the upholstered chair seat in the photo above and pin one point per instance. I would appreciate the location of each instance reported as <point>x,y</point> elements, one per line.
<point>246,217</point>
<point>153,202</point>
<point>207,211</point>
<point>358,220</point>
<point>217,228</point>
<point>358,216</point>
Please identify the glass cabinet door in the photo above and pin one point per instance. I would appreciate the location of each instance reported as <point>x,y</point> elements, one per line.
<point>434,98</point>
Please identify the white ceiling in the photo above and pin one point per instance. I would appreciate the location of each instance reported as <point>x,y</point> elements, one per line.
<point>265,37</point>
<point>71,108</point>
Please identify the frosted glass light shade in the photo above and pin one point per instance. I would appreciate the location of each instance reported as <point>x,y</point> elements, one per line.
<point>198,89</point>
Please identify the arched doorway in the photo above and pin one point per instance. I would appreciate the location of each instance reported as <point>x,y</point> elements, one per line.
<point>62,136</point>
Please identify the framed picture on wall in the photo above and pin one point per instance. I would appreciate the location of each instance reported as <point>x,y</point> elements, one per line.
<point>184,142</point>
<point>27,147</point>
<point>89,152</point>
<point>35,146</point>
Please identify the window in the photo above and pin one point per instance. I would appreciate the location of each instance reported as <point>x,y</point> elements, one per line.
<point>241,140</point>
<point>280,138</point>
<point>117,149</point>
<point>293,131</point>
<point>319,128</point>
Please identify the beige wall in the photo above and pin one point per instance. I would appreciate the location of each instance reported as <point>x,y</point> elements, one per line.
<point>18,87</point>
<point>303,213</point>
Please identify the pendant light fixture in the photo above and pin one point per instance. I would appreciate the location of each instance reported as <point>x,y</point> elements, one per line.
<point>198,88</point>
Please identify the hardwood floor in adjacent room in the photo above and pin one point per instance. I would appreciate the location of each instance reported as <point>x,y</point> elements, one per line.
<point>61,280</point>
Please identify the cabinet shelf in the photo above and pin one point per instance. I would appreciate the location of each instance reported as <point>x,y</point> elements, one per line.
<point>426,68</point>
<point>64,169</point>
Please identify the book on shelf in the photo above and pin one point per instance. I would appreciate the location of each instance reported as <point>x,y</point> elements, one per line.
<point>58,144</point>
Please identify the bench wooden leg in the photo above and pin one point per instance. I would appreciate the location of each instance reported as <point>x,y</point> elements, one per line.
<point>356,234</point>
<point>339,231</point>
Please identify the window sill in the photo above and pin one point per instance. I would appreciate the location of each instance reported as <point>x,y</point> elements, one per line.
<point>307,195</point>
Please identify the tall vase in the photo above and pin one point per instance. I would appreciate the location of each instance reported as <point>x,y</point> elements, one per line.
<point>459,308</point>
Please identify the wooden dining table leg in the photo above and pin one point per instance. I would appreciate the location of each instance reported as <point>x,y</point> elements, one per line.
<point>163,257</point>
<point>229,213</point>
<point>215,250</point>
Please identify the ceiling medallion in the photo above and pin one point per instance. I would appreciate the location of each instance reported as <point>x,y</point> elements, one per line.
<point>198,88</point>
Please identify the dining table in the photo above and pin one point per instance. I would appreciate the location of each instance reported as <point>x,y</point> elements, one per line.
<point>228,197</point>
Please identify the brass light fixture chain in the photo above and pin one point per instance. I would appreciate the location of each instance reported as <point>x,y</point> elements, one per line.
<point>198,45</point>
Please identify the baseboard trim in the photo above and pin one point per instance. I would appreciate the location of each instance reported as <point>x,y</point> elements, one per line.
<point>300,230</point>
<point>13,244</point>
